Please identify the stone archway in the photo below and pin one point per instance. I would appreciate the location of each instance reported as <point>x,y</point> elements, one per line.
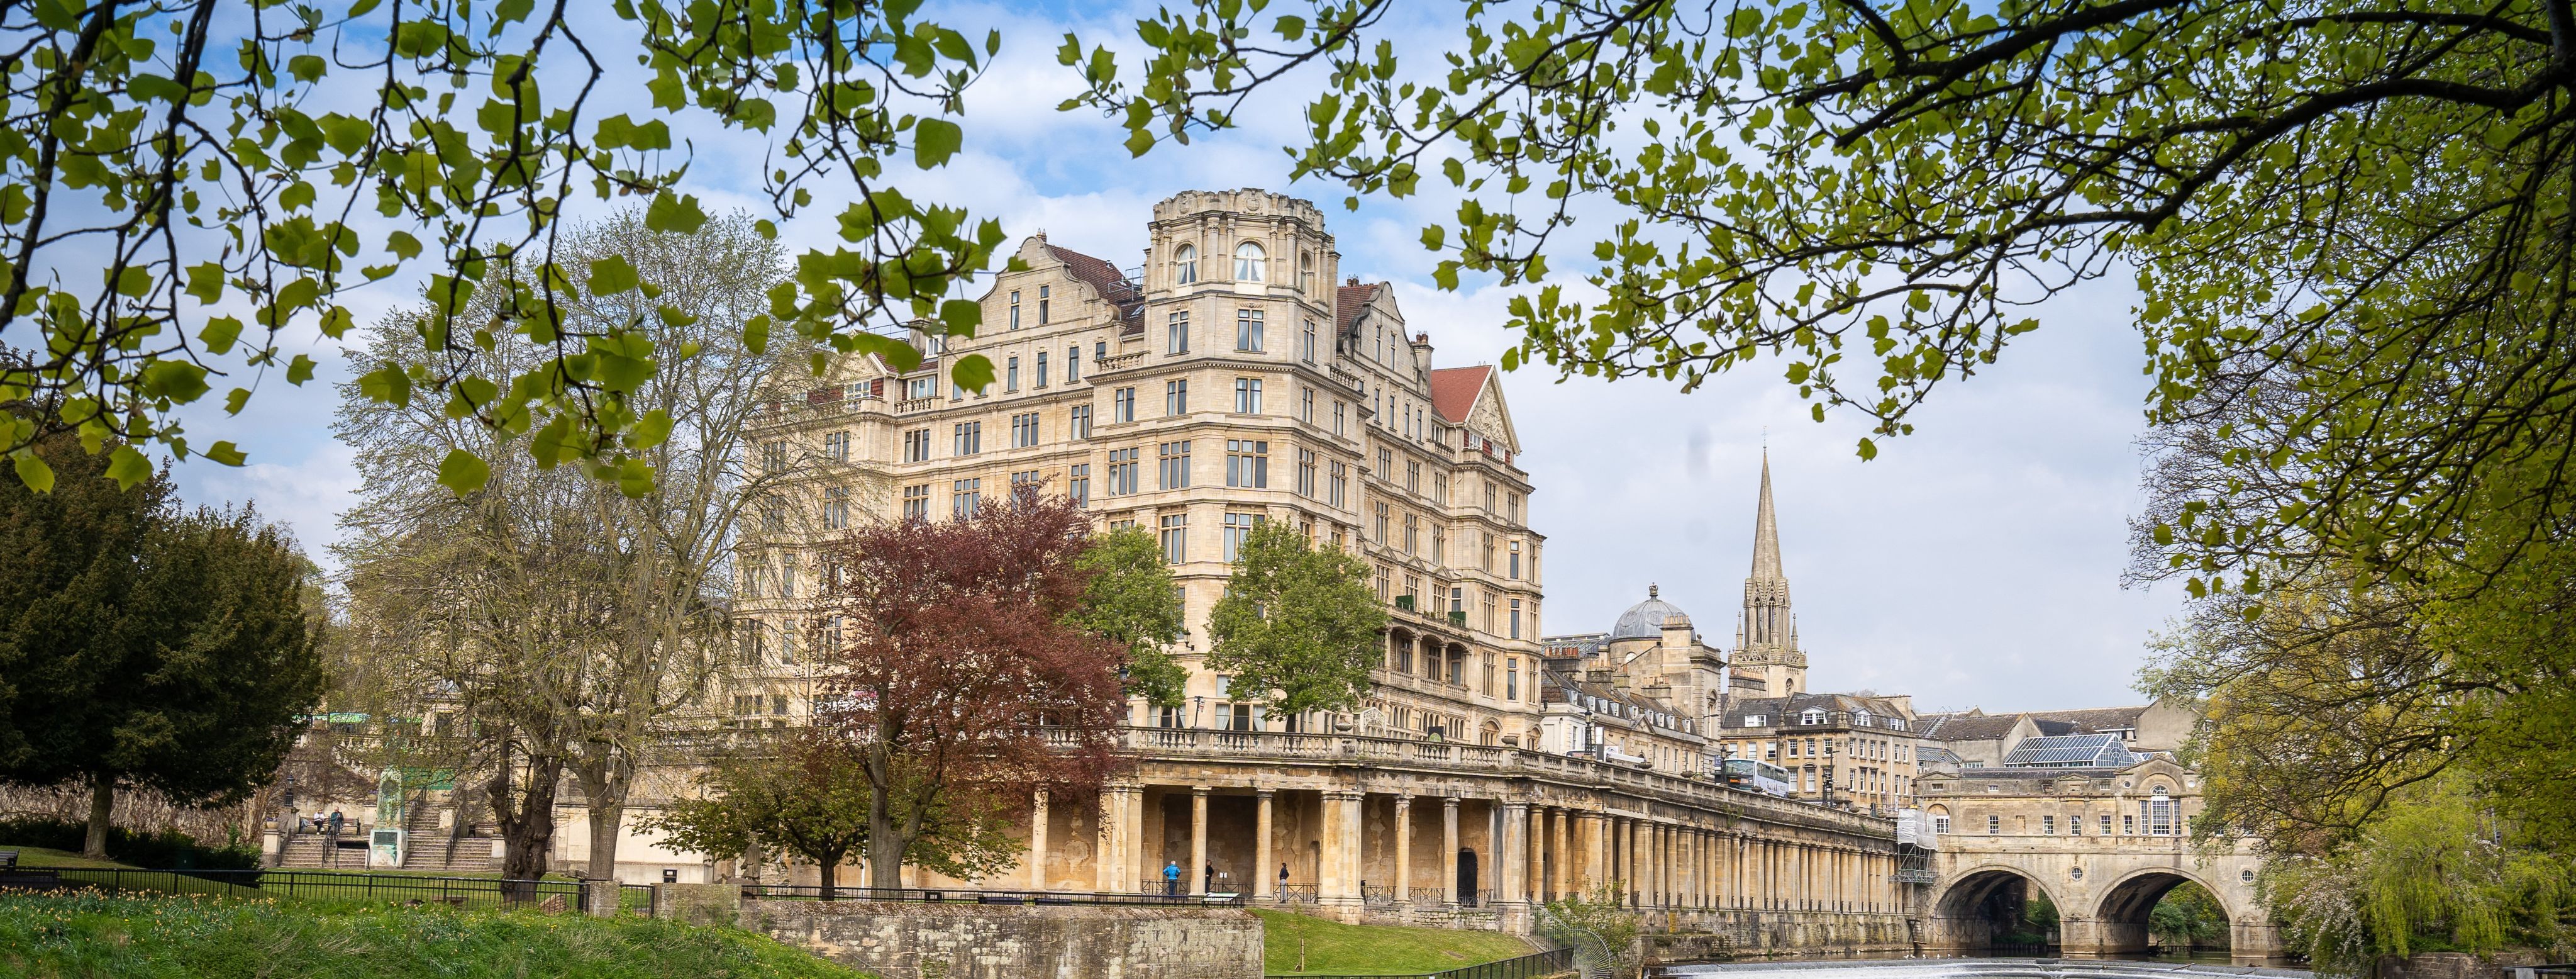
<point>1979,906</point>
<point>2119,922</point>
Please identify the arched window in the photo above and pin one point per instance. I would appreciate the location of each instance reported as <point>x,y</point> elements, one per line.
<point>1306,272</point>
<point>1249,262</point>
<point>1185,265</point>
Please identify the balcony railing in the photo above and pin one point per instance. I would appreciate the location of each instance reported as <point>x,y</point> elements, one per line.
<point>1218,745</point>
<point>1117,362</point>
<point>909,405</point>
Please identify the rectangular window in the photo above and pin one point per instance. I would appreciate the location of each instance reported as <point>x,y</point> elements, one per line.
<point>2106,824</point>
<point>1247,396</point>
<point>1042,304</point>
<point>1512,507</point>
<point>1440,488</point>
<point>1457,601</point>
<point>1010,375</point>
<point>1176,537</point>
<point>1024,485</point>
<point>963,497</point>
<point>916,502</point>
<point>2047,825</point>
<point>1377,524</point>
<point>1077,423</point>
<point>1024,430</point>
<point>916,445</point>
<point>1176,397</point>
<point>1122,405</point>
<point>836,446</point>
<point>1336,486</point>
<point>1015,309</point>
<point>1122,472</point>
<point>1512,679</point>
<point>921,387</point>
<point>1306,473</point>
<point>836,508</point>
<point>1040,375</point>
<point>1385,464</point>
<point>1077,484</point>
<point>1306,348</point>
<point>1412,476</point>
<point>1237,527</point>
<point>1247,464</point>
<point>1306,406</point>
<point>1337,418</point>
<point>1994,825</point>
<point>1174,460</point>
<point>1516,618</point>
<point>2075,825</point>
<point>787,576</point>
<point>1439,547</point>
<point>1516,561</point>
<point>2128,824</point>
<point>970,439</point>
<point>1072,364</point>
<point>1176,333</point>
<point>1412,533</point>
<point>1247,330</point>
<point>773,457</point>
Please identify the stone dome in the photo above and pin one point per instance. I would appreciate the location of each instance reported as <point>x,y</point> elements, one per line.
<point>1644,620</point>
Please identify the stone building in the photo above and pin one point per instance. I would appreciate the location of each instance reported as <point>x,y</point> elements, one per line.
<point>1239,377</point>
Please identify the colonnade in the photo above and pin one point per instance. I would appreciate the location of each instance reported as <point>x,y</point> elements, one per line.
<point>1347,844</point>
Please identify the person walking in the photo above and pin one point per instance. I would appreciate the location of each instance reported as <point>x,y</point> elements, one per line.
<point>337,821</point>
<point>1172,878</point>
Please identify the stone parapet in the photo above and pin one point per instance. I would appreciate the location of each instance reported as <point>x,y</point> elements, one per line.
<point>965,941</point>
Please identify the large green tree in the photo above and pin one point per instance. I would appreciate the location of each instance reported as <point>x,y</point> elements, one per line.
<point>146,647</point>
<point>1298,626</point>
<point>804,794</point>
<point>1133,599</point>
<point>189,189</point>
<point>2347,222</point>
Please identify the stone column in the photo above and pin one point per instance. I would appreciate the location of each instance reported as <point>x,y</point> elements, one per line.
<point>1197,870</point>
<point>1560,836</point>
<point>1263,879</point>
<point>1105,873</point>
<point>1038,841</point>
<point>1404,849</point>
<point>1659,862</point>
<point>1511,855</point>
<point>1592,843</point>
<point>1449,851</point>
<point>1337,880</point>
<point>1535,875</point>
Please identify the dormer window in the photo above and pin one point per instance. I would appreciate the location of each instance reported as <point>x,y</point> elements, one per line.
<point>1185,265</point>
<point>1753,720</point>
<point>1250,262</point>
<point>1860,718</point>
<point>1812,717</point>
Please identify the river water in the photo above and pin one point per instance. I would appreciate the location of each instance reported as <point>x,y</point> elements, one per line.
<point>2176,966</point>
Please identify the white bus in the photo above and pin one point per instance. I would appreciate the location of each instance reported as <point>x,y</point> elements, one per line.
<point>1757,776</point>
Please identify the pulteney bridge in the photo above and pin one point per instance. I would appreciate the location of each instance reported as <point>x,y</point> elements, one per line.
<point>2102,844</point>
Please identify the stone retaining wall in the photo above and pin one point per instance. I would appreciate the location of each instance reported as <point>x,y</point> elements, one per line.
<point>967,941</point>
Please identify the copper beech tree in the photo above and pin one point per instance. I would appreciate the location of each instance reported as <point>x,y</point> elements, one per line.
<point>952,660</point>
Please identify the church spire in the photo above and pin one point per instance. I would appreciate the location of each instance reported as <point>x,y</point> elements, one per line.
<point>1766,532</point>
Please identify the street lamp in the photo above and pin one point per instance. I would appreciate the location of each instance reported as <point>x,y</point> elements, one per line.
<point>1829,772</point>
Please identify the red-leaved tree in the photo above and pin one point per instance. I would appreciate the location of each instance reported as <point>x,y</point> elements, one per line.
<point>951,661</point>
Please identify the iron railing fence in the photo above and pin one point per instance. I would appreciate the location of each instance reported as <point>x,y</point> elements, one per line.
<point>940,895</point>
<point>320,885</point>
<point>1297,893</point>
<point>1539,966</point>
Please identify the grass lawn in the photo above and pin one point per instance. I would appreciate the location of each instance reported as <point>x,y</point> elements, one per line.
<point>1333,948</point>
<point>37,856</point>
<point>81,936</point>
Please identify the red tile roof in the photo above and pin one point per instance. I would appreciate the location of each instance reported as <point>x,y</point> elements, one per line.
<point>1349,300</point>
<point>1454,390</point>
<point>1103,278</point>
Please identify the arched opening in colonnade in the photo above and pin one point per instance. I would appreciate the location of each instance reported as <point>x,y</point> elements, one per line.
<point>1990,910</point>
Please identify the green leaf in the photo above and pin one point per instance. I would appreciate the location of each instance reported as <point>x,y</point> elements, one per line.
<point>678,213</point>
<point>176,380</point>
<point>219,334</point>
<point>934,141</point>
<point>300,370</point>
<point>126,466</point>
<point>33,471</point>
<point>402,244</point>
<point>386,385</point>
<point>235,401</point>
<point>610,276</point>
<point>973,372</point>
<point>226,453</point>
<point>463,472</point>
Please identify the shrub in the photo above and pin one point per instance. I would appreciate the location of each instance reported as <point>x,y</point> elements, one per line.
<point>168,849</point>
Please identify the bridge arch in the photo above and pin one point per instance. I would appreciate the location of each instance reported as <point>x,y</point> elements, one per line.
<point>1980,904</point>
<point>2126,901</point>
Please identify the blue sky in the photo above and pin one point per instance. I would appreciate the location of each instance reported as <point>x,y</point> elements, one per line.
<point>1974,563</point>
